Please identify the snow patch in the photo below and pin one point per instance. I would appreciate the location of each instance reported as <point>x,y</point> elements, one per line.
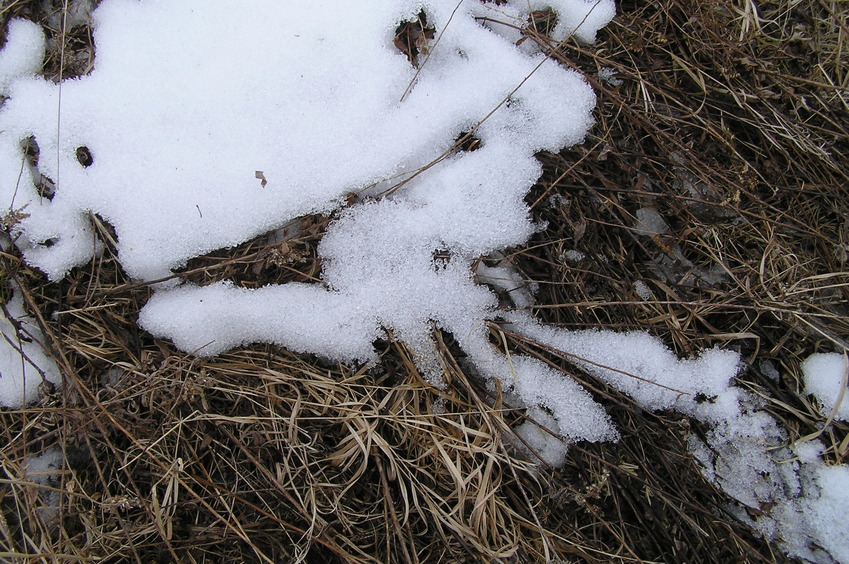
<point>573,256</point>
<point>23,53</point>
<point>23,364</point>
<point>643,291</point>
<point>825,376</point>
<point>608,75</point>
<point>44,470</point>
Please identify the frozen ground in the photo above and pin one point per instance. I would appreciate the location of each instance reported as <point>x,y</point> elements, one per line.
<point>200,128</point>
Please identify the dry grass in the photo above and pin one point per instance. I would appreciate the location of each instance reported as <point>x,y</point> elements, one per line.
<point>730,120</point>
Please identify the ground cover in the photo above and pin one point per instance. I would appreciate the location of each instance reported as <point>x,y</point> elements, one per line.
<point>707,207</point>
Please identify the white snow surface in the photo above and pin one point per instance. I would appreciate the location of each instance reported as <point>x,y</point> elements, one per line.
<point>187,102</point>
<point>23,53</point>
<point>825,376</point>
<point>208,126</point>
<point>21,375</point>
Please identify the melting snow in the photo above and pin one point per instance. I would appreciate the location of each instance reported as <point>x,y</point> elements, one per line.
<point>825,377</point>
<point>200,128</point>
<point>44,471</point>
<point>23,364</point>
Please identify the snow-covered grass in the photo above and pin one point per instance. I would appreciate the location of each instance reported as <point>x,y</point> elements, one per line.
<point>200,128</point>
<point>825,378</point>
<point>23,363</point>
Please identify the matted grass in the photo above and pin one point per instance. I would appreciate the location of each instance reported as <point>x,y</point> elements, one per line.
<point>730,120</point>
